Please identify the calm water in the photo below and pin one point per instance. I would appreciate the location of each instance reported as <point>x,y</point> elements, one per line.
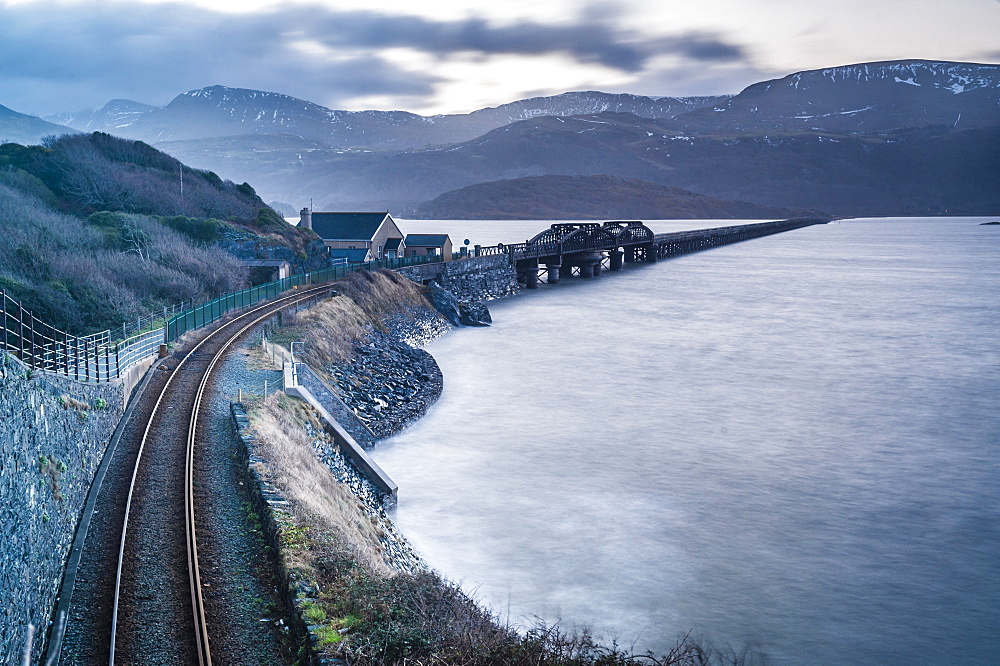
<point>791,441</point>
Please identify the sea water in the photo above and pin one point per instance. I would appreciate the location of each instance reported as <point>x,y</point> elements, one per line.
<point>790,442</point>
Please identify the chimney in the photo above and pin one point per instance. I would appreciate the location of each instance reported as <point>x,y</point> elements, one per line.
<point>305,219</point>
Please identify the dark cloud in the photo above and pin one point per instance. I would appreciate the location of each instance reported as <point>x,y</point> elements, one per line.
<point>55,57</point>
<point>703,47</point>
<point>587,42</point>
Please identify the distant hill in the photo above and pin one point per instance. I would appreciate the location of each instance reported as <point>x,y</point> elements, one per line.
<point>218,111</point>
<point>908,172</point>
<point>586,198</point>
<point>21,128</point>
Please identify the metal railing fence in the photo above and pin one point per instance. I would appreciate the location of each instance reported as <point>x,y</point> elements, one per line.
<point>213,310</point>
<point>104,356</point>
<point>89,358</point>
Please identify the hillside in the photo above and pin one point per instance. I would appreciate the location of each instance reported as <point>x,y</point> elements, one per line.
<point>113,116</point>
<point>21,128</point>
<point>95,231</point>
<point>586,198</point>
<point>915,172</point>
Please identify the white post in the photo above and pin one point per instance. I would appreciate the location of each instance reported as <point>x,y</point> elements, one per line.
<point>27,645</point>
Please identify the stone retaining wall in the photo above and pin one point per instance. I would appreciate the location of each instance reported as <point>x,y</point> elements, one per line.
<point>477,279</point>
<point>53,434</point>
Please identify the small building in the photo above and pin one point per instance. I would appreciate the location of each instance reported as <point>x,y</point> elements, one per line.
<point>260,271</point>
<point>375,232</point>
<point>419,245</point>
<point>394,248</point>
<point>351,256</point>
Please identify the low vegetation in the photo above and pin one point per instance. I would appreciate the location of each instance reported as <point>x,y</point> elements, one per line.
<point>85,275</point>
<point>96,230</point>
<point>329,513</point>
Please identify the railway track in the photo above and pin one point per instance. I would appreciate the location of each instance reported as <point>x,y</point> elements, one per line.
<point>149,608</point>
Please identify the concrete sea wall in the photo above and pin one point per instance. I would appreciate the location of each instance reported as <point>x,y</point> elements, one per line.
<point>53,434</point>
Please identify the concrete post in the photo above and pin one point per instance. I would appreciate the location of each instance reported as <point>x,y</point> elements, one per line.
<point>589,263</point>
<point>617,259</point>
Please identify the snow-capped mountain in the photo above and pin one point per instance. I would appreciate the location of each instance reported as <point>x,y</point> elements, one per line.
<point>116,114</point>
<point>864,98</point>
<point>902,137</point>
<point>220,111</point>
<point>591,102</point>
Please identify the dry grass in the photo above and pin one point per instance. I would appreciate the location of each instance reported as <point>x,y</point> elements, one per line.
<point>381,293</point>
<point>333,328</point>
<point>334,515</point>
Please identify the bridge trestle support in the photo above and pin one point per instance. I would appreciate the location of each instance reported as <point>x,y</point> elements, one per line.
<point>616,259</point>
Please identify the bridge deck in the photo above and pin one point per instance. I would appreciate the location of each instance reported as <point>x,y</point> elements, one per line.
<point>586,237</point>
<point>584,246</point>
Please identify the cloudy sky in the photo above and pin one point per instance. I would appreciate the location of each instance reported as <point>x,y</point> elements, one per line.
<point>448,56</point>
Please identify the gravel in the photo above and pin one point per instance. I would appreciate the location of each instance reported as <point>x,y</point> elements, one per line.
<point>250,618</point>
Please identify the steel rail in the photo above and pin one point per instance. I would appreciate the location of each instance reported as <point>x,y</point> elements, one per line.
<point>201,630</point>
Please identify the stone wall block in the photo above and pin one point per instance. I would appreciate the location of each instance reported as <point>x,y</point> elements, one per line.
<point>49,452</point>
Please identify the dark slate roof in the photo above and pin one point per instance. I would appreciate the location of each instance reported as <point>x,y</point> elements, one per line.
<point>257,263</point>
<point>347,226</point>
<point>427,240</point>
<point>353,256</point>
<point>392,243</point>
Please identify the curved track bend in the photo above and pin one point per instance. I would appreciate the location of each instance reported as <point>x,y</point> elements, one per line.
<point>149,608</point>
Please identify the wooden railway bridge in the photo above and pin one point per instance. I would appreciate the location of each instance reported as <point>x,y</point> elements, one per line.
<point>588,246</point>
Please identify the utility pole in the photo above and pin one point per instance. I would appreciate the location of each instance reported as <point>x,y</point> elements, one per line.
<point>181,168</point>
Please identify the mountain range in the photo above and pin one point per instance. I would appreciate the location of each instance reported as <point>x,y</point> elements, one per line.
<point>886,138</point>
<point>220,111</point>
